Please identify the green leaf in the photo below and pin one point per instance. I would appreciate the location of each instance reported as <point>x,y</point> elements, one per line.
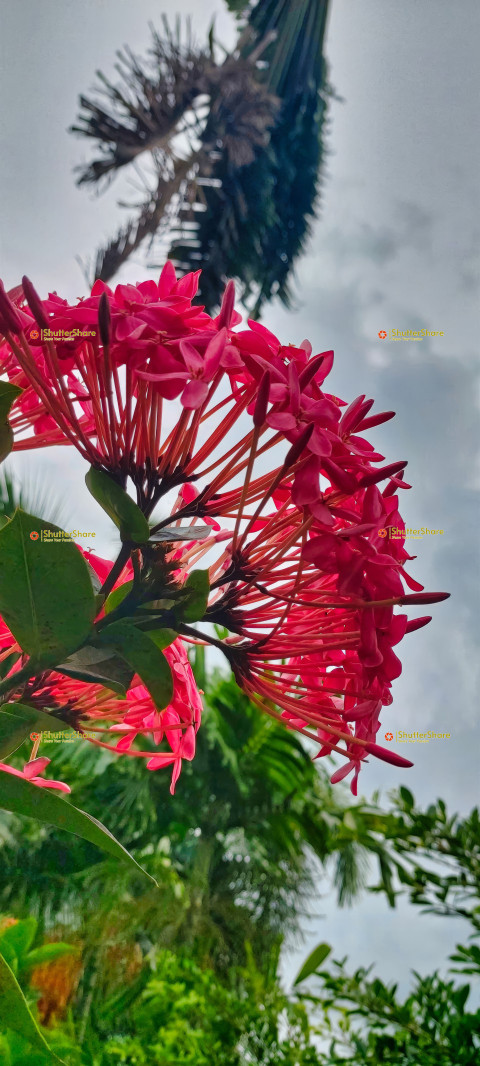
<point>17,721</point>
<point>21,797</point>
<point>46,597</point>
<point>47,953</point>
<point>163,638</point>
<point>19,937</point>
<point>8,394</point>
<point>407,797</point>
<point>196,590</point>
<point>119,506</point>
<point>311,964</point>
<point>98,666</point>
<point>14,1012</point>
<point>117,596</point>
<point>145,658</point>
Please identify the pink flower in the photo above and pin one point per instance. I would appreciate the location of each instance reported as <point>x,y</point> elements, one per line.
<point>31,772</point>
<point>299,574</point>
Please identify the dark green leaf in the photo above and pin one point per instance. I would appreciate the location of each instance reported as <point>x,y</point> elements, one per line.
<point>311,964</point>
<point>117,596</point>
<point>196,590</point>
<point>162,637</point>
<point>99,666</point>
<point>407,797</point>
<point>46,596</point>
<point>145,658</point>
<point>119,506</point>
<point>21,797</point>
<point>8,393</point>
<point>15,1014</point>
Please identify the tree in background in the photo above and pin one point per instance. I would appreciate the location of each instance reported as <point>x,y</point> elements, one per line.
<point>231,148</point>
<point>435,858</point>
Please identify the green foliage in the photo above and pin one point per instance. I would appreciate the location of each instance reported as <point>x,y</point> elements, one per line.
<point>14,1009</point>
<point>367,1023</point>
<point>144,657</point>
<point>451,886</point>
<point>313,963</point>
<point>8,393</point>
<point>193,605</point>
<point>257,223</point>
<point>16,946</point>
<point>37,582</point>
<point>21,797</point>
<point>119,506</point>
<point>100,666</point>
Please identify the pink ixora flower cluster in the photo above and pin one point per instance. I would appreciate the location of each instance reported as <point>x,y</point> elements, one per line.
<point>278,469</point>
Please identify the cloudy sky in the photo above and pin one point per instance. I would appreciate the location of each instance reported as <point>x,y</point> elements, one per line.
<point>396,246</point>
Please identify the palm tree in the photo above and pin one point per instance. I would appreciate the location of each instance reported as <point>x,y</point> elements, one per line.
<point>232,148</point>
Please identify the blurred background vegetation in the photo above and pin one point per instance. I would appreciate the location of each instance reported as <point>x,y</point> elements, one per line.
<point>120,971</point>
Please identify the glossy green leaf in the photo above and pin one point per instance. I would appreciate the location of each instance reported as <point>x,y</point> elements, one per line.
<point>18,721</point>
<point>119,506</point>
<point>8,393</point>
<point>46,597</point>
<point>315,959</point>
<point>196,590</point>
<point>145,658</point>
<point>117,596</point>
<point>98,666</point>
<point>21,797</point>
<point>14,1012</point>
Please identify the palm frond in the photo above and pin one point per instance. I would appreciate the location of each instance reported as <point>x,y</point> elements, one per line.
<point>142,111</point>
<point>34,495</point>
<point>240,197</point>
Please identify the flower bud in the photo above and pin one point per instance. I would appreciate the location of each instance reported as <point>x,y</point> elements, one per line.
<point>34,302</point>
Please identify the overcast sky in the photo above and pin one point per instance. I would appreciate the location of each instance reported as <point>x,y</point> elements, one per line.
<point>396,246</point>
